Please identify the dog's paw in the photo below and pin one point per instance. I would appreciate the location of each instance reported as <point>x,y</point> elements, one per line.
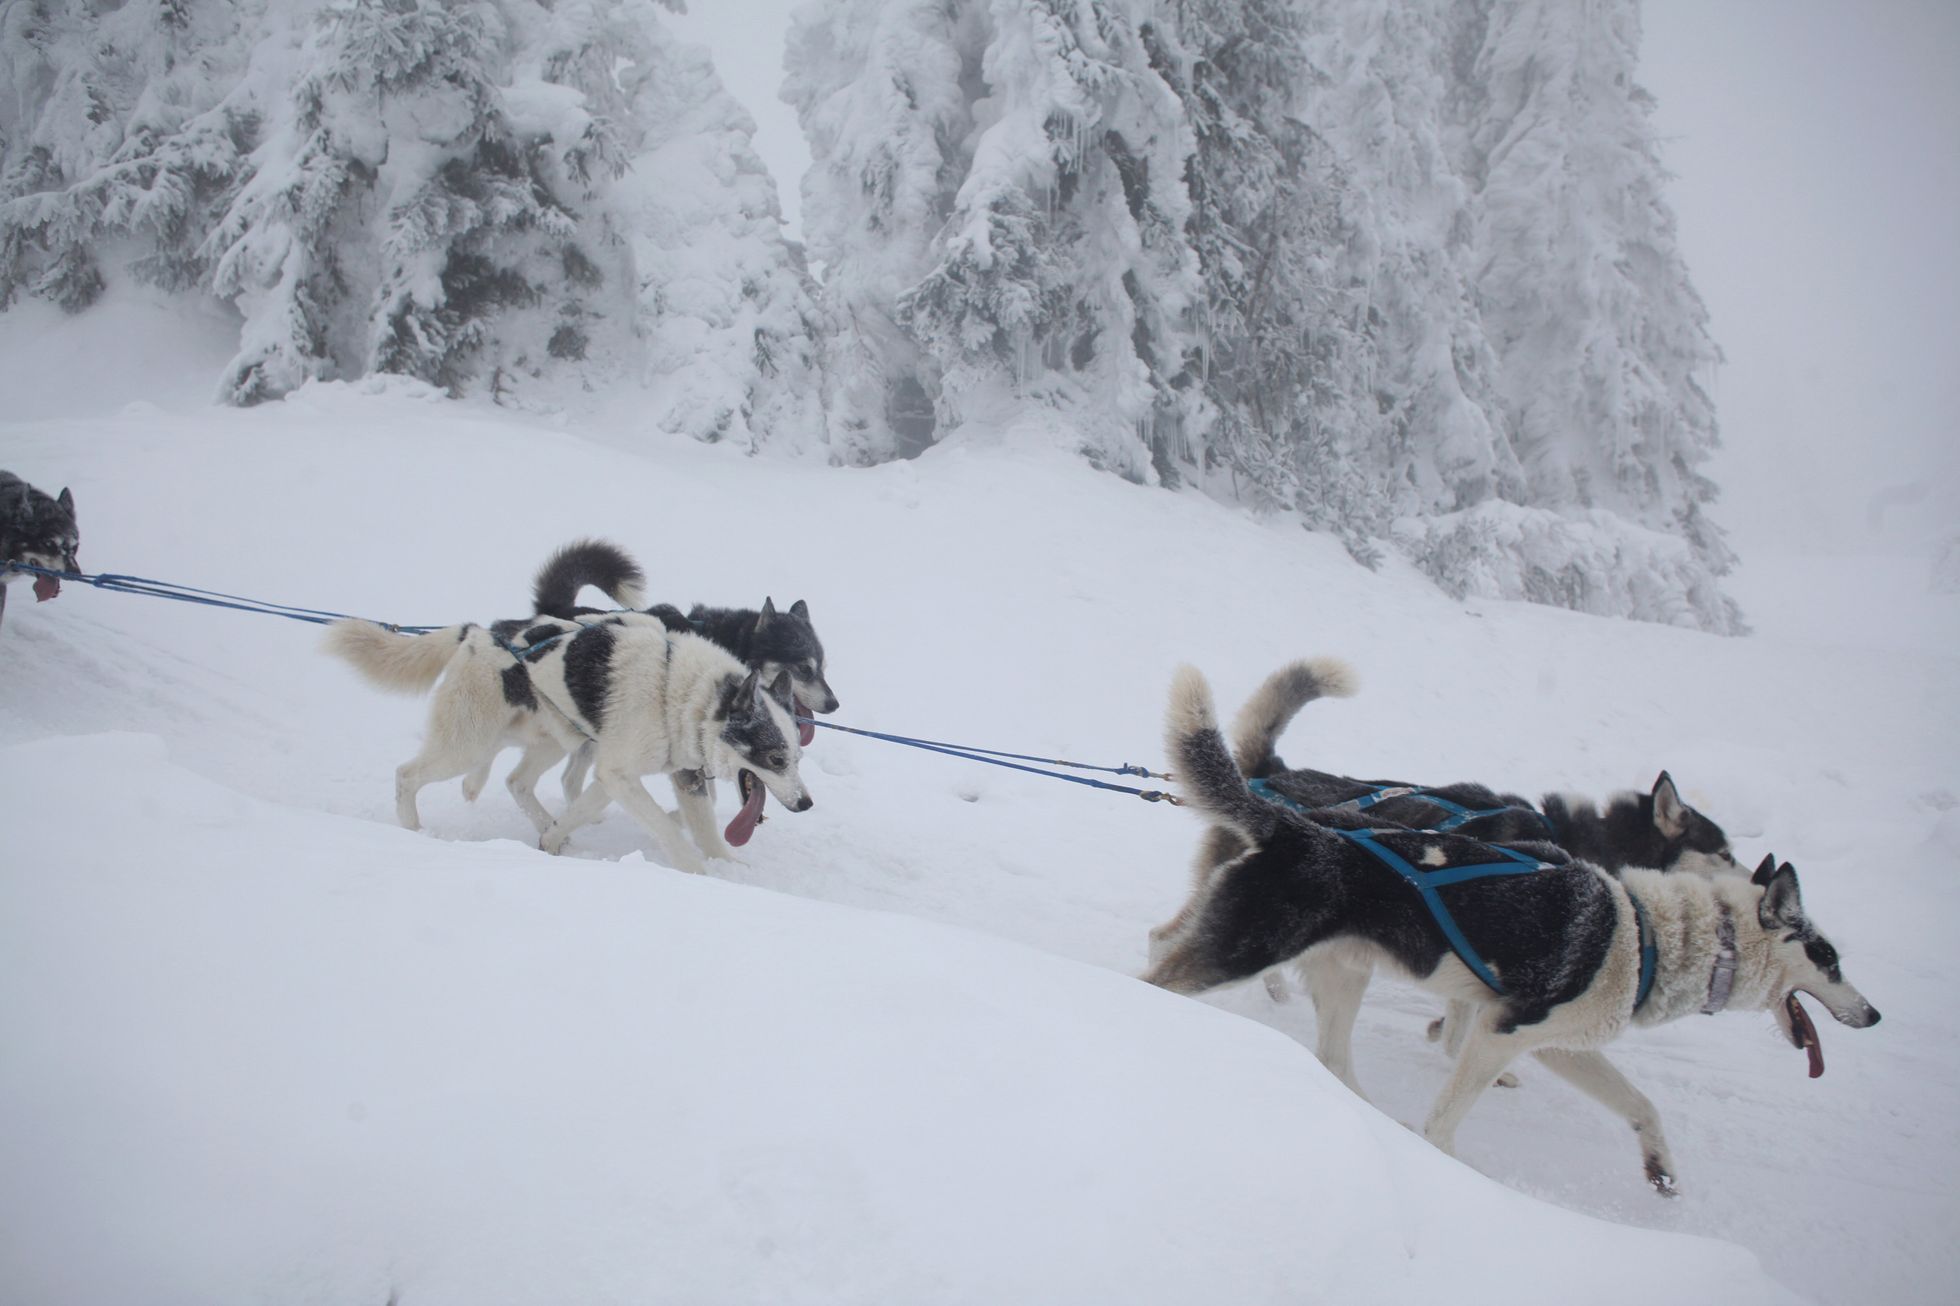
<point>1435,1031</point>
<point>554,845</point>
<point>1658,1176</point>
<point>1506,1080</point>
<point>1277,987</point>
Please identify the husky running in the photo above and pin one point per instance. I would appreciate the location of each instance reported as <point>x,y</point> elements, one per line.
<point>1576,956</point>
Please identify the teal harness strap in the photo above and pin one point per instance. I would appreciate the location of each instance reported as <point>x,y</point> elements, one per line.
<point>1649,952</point>
<point>1459,815</point>
<point>1427,883</point>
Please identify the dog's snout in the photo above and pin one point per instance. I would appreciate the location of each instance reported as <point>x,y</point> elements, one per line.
<point>804,804</point>
<point>1871,1016</point>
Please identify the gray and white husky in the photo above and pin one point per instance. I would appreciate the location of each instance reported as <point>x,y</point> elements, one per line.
<point>38,529</point>
<point>648,700</point>
<point>1565,940</point>
<point>768,641</point>
<point>1655,831</point>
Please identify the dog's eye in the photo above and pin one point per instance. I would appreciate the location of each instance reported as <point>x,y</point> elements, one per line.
<point>777,761</point>
<point>1822,955</point>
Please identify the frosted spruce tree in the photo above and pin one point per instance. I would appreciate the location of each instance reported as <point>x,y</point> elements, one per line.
<point>1602,342</point>
<point>116,136</point>
<point>1006,221</point>
<point>418,209</point>
<point>505,198</point>
<point>1286,354</point>
<point>883,89</point>
<point>1517,257</point>
<point>724,305</point>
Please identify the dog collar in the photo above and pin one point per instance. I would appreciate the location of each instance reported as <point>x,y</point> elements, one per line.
<point>1649,953</point>
<point>1721,980</point>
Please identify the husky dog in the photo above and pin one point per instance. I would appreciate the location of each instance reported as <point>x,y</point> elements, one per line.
<point>1565,942</point>
<point>1656,830</point>
<point>769,641</point>
<point>648,699</point>
<point>39,530</point>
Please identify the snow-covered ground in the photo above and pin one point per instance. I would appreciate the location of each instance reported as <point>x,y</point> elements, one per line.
<point>257,1043</point>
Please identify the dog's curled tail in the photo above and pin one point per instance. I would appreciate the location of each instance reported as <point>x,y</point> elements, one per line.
<point>1272,706</point>
<point>403,664</point>
<point>1207,775</point>
<point>598,563</point>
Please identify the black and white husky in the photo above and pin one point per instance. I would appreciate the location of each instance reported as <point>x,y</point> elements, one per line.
<point>1655,831</point>
<point>38,529</point>
<point>648,700</point>
<point>1565,942</point>
<point>770,642</point>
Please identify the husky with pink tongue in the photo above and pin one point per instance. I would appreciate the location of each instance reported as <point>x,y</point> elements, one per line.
<point>654,701</point>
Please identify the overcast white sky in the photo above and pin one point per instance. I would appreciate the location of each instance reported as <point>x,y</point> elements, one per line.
<point>1817,150</point>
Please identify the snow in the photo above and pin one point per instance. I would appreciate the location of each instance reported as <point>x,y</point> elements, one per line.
<point>259,1043</point>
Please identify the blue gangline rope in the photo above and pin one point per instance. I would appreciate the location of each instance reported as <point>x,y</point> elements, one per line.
<point>121,584</point>
<point>980,755</point>
<point>163,589</point>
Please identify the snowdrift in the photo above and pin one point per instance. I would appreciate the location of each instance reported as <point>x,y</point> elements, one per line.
<point>255,1053</point>
<point>256,1043</point>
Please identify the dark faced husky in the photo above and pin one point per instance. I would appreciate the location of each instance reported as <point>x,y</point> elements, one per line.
<point>1565,943</point>
<point>648,700</point>
<point>767,640</point>
<point>774,644</point>
<point>39,530</point>
<point>1655,830</point>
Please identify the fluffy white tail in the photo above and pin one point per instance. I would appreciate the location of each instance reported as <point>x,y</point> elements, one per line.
<point>401,664</point>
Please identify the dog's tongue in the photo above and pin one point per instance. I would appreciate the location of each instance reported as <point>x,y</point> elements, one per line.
<point>746,820</point>
<point>805,732</point>
<point>1806,1035</point>
<point>45,588</point>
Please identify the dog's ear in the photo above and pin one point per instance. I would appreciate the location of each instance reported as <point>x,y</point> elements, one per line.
<point>738,697</point>
<point>768,611</point>
<point>1670,813</point>
<point>1764,869</point>
<point>67,501</point>
<point>1782,904</point>
<point>800,609</point>
<point>783,690</point>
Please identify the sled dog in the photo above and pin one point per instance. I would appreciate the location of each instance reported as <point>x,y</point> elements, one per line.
<point>38,529</point>
<point>648,700</point>
<point>771,642</point>
<point>1656,830</point>
<point>1573,963</point>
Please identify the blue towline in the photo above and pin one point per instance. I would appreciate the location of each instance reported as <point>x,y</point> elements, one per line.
<point>1429,882</point>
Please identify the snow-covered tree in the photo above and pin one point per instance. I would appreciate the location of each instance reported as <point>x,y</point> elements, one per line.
<point>414,202</point>
<point>1603,343</point>
<point>724,303</point>
<point>513,198</point>
<point>115,135</point>
<point>1063,274</point>
<point>1286,358</point>
<point>884,90</point>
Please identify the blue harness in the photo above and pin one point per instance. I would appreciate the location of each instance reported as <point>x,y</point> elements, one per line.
<point>1429,882</point>
<point>1459,815</point>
